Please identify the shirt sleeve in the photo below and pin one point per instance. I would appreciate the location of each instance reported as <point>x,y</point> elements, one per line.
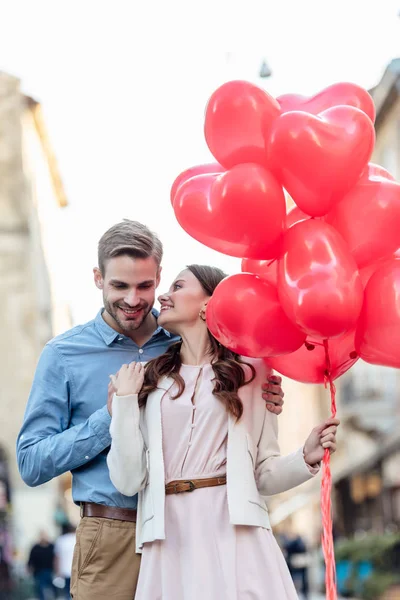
<point>275,473</point>
<point>46,445</point>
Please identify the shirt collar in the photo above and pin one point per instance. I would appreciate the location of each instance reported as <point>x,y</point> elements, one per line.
<point>109,334</point>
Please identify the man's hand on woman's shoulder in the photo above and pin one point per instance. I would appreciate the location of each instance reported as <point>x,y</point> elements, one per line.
<point>273,394</point>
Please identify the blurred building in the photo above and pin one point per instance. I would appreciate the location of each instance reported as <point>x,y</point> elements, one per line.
<point>297,511</point>
<point>366,467</point>
<point>368,487</point>
<point>386,96</point>
<point>32,303</point>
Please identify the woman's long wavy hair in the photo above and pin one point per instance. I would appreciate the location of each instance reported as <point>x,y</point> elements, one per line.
<point>227,366</point>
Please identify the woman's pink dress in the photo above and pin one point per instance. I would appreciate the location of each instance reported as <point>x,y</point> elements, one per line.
<point>204,557</point>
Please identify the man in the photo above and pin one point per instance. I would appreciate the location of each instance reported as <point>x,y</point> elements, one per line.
<point>41,565</point>
<point>66,425</point>
<point>297,559</point>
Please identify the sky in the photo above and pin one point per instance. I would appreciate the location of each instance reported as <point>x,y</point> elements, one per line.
<point>124,84</point>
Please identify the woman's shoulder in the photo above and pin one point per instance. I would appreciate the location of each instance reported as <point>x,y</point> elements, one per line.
<point>251,393</point>
<point>262,371</point>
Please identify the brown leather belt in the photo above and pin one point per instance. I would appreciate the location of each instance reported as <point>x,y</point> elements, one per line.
<point>90,509</point>
<point>188,485</point>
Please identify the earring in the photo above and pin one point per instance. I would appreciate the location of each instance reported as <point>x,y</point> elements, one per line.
<point>201,314</point>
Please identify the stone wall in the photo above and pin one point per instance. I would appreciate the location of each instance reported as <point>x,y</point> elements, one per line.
<point>25,307</point>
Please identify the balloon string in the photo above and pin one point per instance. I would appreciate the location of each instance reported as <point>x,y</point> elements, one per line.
<point>326,496</point>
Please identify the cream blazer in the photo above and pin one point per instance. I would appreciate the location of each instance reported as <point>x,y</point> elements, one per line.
<point>255,467</point>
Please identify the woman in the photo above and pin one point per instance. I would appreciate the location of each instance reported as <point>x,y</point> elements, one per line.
<point>191,434</point>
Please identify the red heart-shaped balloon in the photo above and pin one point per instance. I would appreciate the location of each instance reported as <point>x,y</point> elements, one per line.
<point>367,272</point>
<point>378,329</point>
<point>318,159</point>
<point>192,172</point>
<point>348,94</point>
<point>318,282</point>
<point>238,120</point>
<point>267,269</point>
<point>368,218</point>
<point>245,315</point>
<point>295,215</point>
<point>308,364</point>
<point>240,213</point>
<point>374,171</point>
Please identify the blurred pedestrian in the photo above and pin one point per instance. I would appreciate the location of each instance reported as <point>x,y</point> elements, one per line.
<point>297,559</point>
<point>64,551</point>
<point>41,565</point>
<point>5,577</point>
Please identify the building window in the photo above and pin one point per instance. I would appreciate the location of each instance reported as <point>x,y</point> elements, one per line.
<point>368,397</point>
<point>369,383</point>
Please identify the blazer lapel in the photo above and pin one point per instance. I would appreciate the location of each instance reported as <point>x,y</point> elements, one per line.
<point>153,414</point>
<point>165,383</point>
<point>154,399</point>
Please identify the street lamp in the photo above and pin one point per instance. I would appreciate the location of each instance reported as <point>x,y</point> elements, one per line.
<point>265,70</point>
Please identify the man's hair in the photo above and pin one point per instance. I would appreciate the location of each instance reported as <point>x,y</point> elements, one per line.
<point>129,238</point>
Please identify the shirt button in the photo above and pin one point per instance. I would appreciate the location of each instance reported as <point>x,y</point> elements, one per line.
<point>140,351</point>
<point>86,458</point>
<point>193,426</point>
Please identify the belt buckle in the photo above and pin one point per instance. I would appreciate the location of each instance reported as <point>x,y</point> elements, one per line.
<point>81,510</point>
<point>191,487</point>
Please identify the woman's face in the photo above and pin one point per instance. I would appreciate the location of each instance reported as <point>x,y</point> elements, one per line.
<point>181,305</point>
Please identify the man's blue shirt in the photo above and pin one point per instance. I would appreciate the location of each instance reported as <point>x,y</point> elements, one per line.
<point>66,423</point>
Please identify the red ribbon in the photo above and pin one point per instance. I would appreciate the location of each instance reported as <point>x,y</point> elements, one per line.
<point>326,497</point>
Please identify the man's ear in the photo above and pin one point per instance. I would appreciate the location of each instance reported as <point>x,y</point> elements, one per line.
<point>98,278</point>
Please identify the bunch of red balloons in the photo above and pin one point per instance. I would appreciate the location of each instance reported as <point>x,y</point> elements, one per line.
<point>328,269</point>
